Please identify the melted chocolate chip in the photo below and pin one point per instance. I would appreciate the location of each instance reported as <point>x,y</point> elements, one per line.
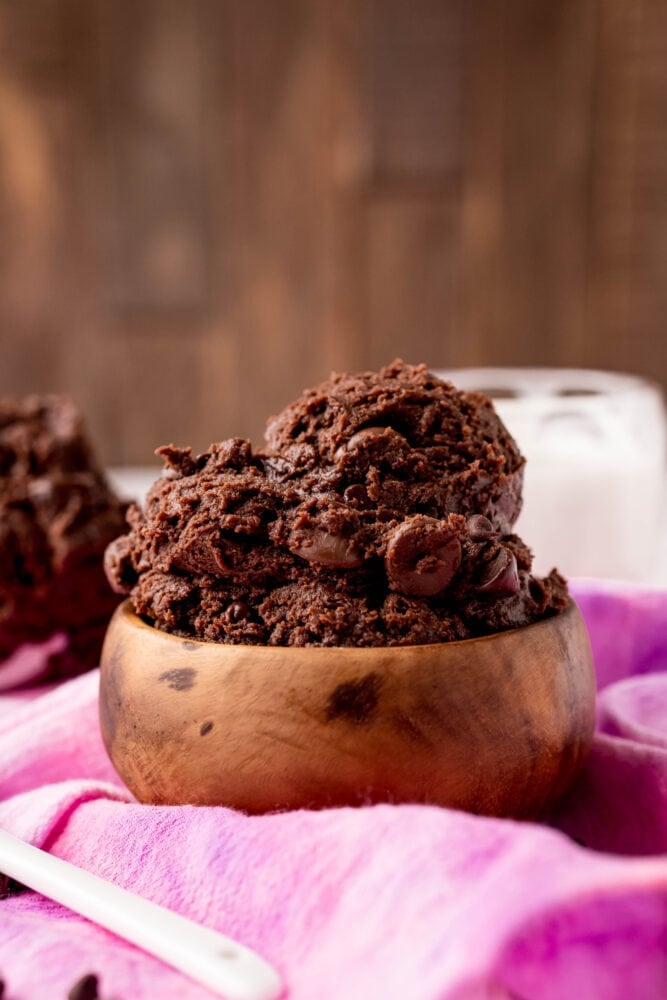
<point>364,435</point>
<point>479,528</point>
<point>368,437</point>
<point>237,611</point>
<point>327,549</point>
<point>423,556</point>
<point>501,576</point>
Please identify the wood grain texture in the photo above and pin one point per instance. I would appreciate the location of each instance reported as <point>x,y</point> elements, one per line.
<point>416,80</point>
<point>154,203</point>
<point>207,205</point>
<point>498,725</point>
<point>526,180</point>
<point>627,289</point>
<point>413,278</point>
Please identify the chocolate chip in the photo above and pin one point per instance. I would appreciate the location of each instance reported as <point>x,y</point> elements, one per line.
<point>479,527</point>
<point>423,556</point>
<point>327,549</point>
<point>364,435</point>
<point>2,989</point>
<point>237,611</point>
<point>358,494</point>
<point>368,436</point>
<point>500,576</point>
<point>85,988</point>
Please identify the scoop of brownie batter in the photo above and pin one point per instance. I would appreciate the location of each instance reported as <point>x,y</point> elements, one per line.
<point>432,448</point>
<point>381,513</point>
<point>57,515</point>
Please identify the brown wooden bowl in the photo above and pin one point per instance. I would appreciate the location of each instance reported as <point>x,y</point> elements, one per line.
<point>498,725</point>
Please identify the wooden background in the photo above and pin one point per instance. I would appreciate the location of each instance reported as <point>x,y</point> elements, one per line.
<point>207,204</point>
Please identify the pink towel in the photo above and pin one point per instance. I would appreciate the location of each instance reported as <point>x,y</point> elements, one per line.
<point>386,902</point>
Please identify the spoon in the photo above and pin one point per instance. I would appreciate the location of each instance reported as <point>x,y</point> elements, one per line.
<point>228,968</point>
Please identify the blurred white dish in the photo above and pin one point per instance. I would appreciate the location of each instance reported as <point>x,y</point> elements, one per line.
<point>132,482</point>
<point>595,479</point>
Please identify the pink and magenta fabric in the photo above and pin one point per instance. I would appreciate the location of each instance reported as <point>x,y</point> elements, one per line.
<point>379,903</point>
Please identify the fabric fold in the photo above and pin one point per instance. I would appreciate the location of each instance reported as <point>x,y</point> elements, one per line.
<point>387,902</point>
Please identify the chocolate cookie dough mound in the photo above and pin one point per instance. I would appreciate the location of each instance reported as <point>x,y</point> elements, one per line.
<point>57,515</point>
<point>408,435</point>
<point>381,514</point>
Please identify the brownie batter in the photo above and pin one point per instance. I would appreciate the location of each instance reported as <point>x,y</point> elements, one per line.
<point>57,515</point>
<point>381,513</point>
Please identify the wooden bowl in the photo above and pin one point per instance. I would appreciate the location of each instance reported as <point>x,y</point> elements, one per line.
<point>498,725</point>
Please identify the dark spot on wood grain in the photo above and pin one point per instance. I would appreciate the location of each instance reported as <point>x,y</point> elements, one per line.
<point>355,700</point>
<point>189,646</point>
<point>181,679</point>
<point>206,728</point>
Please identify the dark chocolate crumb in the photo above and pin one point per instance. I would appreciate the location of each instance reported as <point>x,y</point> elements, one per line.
<point>355,700</point>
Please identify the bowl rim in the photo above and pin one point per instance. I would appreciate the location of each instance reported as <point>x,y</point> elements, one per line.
<point>126,612</point>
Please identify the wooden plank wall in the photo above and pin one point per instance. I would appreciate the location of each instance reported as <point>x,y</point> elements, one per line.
<point>207,204</point>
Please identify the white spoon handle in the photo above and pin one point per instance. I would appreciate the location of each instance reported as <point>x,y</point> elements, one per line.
<point>224,966</point>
